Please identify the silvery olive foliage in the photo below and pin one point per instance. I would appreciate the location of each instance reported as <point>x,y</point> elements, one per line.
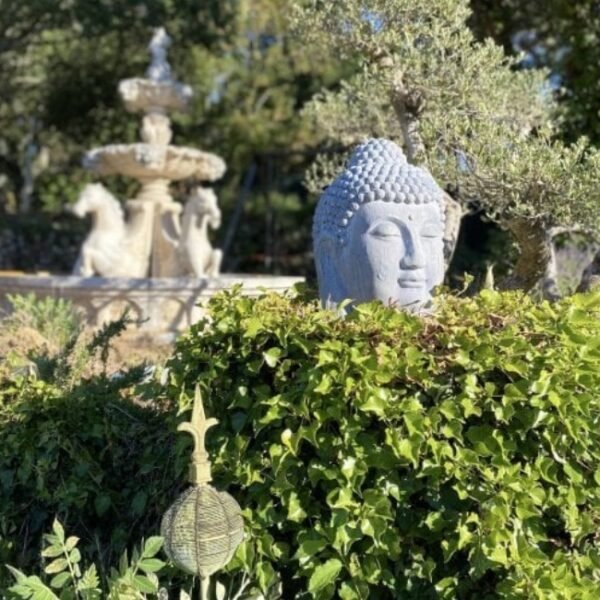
<point>483,127</point>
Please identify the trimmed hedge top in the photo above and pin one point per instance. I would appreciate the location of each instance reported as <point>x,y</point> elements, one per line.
<point>390,456</point>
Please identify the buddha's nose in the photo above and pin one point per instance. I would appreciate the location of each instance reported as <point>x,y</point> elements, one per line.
<point>413,258</point>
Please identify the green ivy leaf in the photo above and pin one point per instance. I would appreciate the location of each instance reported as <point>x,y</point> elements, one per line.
<point>295,511</point>
<point>272,356</point>
<point>324,575</point>
<point>310,543</point>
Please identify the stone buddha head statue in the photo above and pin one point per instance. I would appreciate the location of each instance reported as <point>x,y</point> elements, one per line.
<point>378,231</point>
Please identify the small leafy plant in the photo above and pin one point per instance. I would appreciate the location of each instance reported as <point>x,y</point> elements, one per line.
<point>56,319</point>
<point>133,580</point>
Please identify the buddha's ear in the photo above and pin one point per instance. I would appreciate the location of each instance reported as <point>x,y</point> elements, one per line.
<point>331,286</point>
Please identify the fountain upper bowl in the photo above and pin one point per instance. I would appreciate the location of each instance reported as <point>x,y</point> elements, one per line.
<point>146,95</point>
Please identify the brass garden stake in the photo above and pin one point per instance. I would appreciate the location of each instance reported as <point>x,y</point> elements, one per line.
<point>203,527</point>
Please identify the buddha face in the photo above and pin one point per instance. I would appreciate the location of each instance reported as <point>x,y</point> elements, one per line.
<point>394,253</point>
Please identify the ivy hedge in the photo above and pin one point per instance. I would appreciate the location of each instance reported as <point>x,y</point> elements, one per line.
<point>389,456</point>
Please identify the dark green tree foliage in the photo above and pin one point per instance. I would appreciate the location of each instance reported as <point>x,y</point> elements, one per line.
<point>387,456</point>
<point>250,79</point>
<point>249,98</point>
<point>561,35</point>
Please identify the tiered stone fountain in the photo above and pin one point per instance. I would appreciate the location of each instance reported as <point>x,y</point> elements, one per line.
<point>158,261</point>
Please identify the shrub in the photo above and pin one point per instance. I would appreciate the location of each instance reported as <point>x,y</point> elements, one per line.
<point>95,455</point>
<point>55,319</point>
<point>97,450</point>
<point>379,456</point>
<point>389,456</point>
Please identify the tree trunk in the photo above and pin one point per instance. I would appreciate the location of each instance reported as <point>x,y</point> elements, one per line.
<point>453,219</point>
<point>533,241</point>
<point>591,275</point>
<point>409,124</point>
<point>407,109</point>
<point>407,112</point>
<point>237,213</point>
<point>550,289</point>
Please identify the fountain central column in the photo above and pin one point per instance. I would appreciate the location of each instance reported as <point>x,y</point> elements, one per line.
<point>155,191</point>
<point>164,235</point>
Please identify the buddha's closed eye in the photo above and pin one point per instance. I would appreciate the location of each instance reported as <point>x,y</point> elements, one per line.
<point>431,230</point>
<point>384,229</point>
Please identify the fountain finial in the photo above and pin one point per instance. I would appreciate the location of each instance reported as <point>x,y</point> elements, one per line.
<point>159,92</point>
<point>159,69</point>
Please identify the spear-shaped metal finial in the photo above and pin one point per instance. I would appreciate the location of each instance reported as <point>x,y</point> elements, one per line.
<point>197,427</point>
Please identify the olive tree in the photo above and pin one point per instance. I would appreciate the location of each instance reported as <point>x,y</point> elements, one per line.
<point>484,128</point>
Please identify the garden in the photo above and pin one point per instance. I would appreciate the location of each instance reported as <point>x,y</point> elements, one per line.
<point>437,441</point>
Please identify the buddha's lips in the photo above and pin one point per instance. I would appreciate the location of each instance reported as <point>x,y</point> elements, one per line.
<point>412,282</point>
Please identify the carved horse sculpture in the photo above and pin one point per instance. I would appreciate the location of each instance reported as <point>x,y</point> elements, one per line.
<point>201,211</point>
<point>113,248</point>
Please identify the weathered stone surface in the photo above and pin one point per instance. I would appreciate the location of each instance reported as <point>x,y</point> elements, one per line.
<point>170,305</point>
<point>114,247</point>
<point>197,257</point>
<point>153,161</point>
<point>159,92</point>
<point>378,231</point>
<point>174,246</point>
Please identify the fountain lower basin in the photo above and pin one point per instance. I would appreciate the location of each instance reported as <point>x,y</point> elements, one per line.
<point>162,306</point>
<point>152,161</point>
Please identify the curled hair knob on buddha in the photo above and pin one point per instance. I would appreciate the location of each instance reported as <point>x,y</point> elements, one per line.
<point>378,231</point>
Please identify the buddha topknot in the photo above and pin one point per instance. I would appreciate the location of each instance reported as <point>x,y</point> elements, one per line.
<point>377,170</point>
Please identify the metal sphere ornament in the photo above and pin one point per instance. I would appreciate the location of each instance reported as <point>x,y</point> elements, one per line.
<point>203,527</point>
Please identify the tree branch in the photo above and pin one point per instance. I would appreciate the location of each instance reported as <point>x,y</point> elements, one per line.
<point>591,275</point>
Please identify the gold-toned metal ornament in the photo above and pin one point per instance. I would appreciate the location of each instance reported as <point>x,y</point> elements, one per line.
<point>203,527</point>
